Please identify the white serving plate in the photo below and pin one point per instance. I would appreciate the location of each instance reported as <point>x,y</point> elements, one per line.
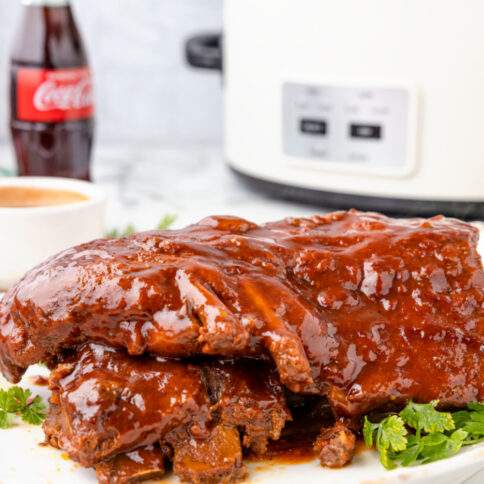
<point>24,461</point>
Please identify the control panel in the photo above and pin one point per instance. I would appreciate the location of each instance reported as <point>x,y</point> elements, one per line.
<point>364,126</point>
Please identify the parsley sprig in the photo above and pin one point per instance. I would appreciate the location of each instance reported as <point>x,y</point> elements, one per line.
<point>21,403</point>
<point>165,223</point>
<point>420,433</point>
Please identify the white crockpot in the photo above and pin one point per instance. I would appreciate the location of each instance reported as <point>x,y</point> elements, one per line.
<point>376,104</point>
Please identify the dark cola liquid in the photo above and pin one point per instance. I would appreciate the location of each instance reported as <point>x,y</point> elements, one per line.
<point>53,149</point>
<point>51,124</point>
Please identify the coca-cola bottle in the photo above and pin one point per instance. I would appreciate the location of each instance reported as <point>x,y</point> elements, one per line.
<point>51,93</point>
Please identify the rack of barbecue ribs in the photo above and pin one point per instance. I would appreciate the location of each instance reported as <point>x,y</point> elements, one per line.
<point>195,346</point>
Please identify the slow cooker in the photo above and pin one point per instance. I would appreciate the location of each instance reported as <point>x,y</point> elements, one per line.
<point>374,104</point>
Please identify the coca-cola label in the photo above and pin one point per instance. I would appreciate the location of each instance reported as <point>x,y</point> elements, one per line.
<point>54,95</point>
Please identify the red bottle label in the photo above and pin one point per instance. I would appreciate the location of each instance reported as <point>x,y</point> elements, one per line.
<point>54,95</point>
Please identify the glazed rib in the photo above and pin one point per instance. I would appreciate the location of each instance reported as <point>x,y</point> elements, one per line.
<point>335,446</point>
<point>366,309</point>
<point>106,404</point>
<point>138,465</point>
<point>248,395</point>
<point>213,458</point>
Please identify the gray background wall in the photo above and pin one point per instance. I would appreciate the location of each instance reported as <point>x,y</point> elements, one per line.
<point>144,90</point>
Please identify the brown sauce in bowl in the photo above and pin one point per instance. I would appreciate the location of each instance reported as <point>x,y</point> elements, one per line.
<point>24,197</point>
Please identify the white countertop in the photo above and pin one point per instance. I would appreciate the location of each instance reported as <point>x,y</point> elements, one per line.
<point>146,182</point>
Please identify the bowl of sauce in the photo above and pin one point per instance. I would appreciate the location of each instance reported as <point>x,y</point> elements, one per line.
<point>21,197</point>
<point>40,217</point>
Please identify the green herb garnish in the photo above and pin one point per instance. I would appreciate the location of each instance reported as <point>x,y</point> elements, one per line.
<point>420,433</point>
<point>19,402</point>
<point>388,436</point>
<point>472,422</point>
<point>424,417</point>
<point>165,223</point>
<point>116,234</point>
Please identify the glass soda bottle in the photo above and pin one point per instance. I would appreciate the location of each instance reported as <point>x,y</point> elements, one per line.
<point>51,117</point>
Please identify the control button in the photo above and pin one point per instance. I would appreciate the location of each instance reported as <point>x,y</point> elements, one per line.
<point>365,131</point>
<point>317,127</point>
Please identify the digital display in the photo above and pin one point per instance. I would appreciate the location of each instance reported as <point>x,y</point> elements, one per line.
<point>365,131</point>
<point>313,126</point>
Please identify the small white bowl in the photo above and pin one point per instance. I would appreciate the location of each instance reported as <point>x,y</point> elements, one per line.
<point>28,235</point>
